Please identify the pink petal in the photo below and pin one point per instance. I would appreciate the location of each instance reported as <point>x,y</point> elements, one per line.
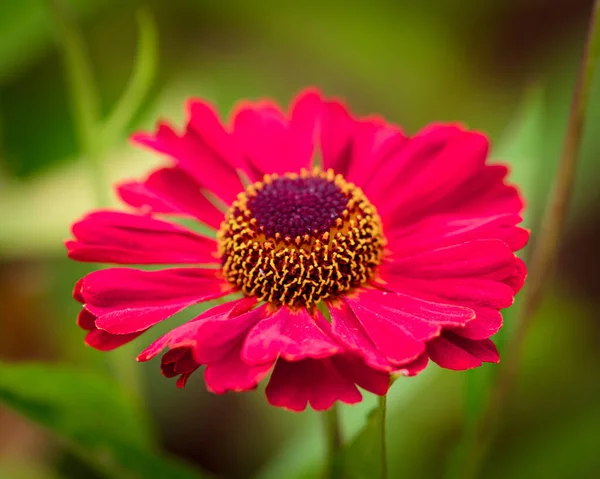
<point>410,164</point>
<point>261,133</point>
<point>354,368</point>
<point>194,153</point>
<point>486,193</point>
<point>470,292</point>
<point>218,335</point>
<point>86,320</point>
<point>414,367</point>
<point>409,307</point>
<point>114,237</point>
<point>204,121</point>
<point>434,177</point>
<point>171,191</point>
<point>178,362</point>
<point>449,229</point>
<point>347,329</point>
<point>187,334</point>
<point>103,341</point>
<point>306,110</point>
<point>454,352</point>
<point>230,373</point>
<point>316,381</point>
<point>388,333</point>
<point>292,335</point>
<point>337,131</point>
<point>491,259</point>
<point>129,300</point>
<point>487,322</point>
<point>517,278</point>
<point>356,148</point>
<point>377,141</point>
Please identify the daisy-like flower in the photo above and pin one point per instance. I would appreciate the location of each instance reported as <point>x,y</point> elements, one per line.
<point>345,251</point>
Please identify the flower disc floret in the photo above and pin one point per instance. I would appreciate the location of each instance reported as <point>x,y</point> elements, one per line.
<point>297,239</point>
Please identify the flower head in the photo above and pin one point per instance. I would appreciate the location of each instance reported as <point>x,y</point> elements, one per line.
<point>345,251</point>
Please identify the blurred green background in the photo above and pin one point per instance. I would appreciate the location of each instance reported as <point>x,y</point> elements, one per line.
<point>502,66</point>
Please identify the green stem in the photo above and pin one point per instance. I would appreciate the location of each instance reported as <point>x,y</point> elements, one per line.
<point>334,443</point>
<point>84,100</point>
<point>544,252</point>
<point>383,452</point>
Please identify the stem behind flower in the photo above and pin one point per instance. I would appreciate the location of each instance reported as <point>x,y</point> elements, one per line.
<point>334,469</point>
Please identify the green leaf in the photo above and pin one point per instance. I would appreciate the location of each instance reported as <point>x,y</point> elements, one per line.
<point>97,419</point>
<point>362,457</point>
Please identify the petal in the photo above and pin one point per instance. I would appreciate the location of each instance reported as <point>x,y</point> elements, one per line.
<point>103,341</point>
<point>414,367</point>
<point>194,152</point>
<point>292,335</point>
<point>305,113</point>
<point>86,320</point>
<point>454,352</point>
<point>337,130</point>
<point>129,300</point>
<point>374,142</point>
<point>429,179</point>
<point>218,335</point>
<point>353,368</point>
<point>517,278</point>
<point>347,329</point>
<point>491,259</point>
<point>487,322</point>
<point>411,163</point>
<point>356,148</point>
<point>115,237</point>
<point>204,121</point>
<point>438,231</point>
<point>230,373</point>
<point>187,334</point>
<point>409,307</point>
<point>486,193</point>
<point>171,191</point>
<point>261,131</point>
<point>316,381</point>
<point>178,362</point>
<point>388,332</point>
<point>471,292</point>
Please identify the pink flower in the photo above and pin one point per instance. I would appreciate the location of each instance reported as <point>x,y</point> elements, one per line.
<point>345,249</point>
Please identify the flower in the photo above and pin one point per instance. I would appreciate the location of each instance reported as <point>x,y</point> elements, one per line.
<point>345,251</point>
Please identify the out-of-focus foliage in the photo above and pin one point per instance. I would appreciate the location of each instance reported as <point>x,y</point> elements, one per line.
<point>99,420</point>
<point>502,66</point>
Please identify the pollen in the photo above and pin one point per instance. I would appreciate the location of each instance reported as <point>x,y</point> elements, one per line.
<point>300,238</point>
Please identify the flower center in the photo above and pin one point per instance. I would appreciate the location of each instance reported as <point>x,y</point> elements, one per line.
<point>300,238</point>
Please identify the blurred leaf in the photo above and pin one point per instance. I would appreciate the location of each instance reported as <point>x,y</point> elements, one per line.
<point>22,469</point>
<point>98,420</point>
<point>140,81</point>
<point>522,146</point>
<point>362,457</point>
